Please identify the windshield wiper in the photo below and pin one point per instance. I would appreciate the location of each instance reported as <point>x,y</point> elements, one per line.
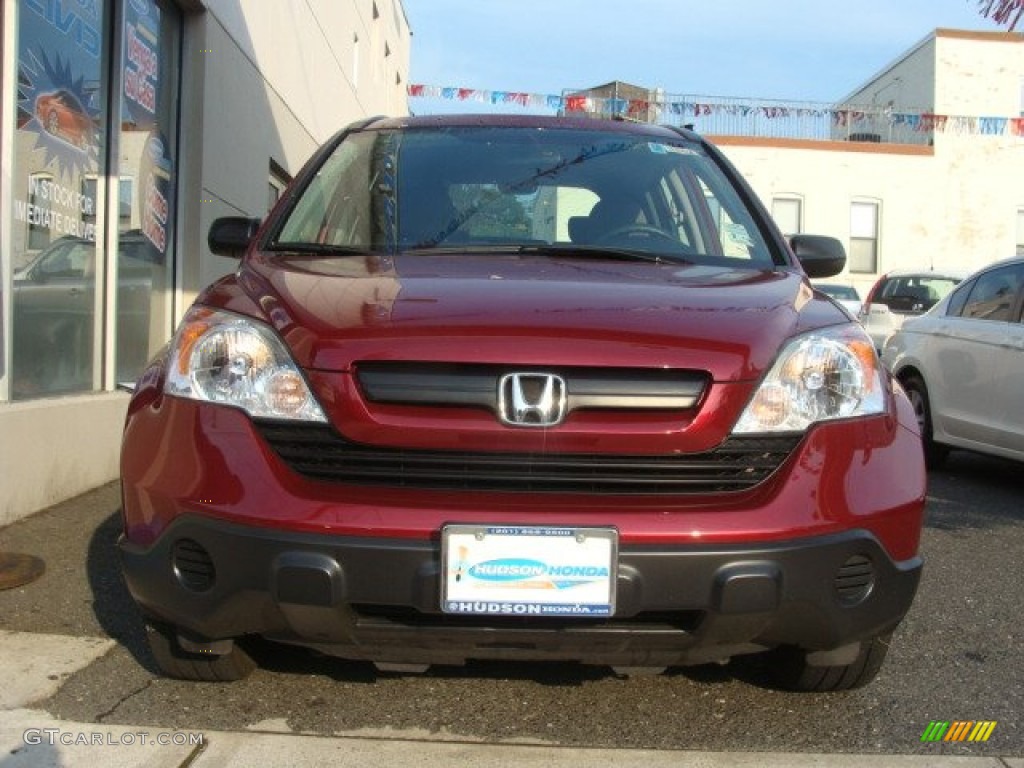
<point>570,251</point>
<point>321,249</point>
<point>562,251</point>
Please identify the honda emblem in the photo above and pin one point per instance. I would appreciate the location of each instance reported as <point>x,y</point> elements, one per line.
<point>532,399</point>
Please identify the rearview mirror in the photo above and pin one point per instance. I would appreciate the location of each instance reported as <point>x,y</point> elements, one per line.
<point>820,256</point>
<point>230,236</point>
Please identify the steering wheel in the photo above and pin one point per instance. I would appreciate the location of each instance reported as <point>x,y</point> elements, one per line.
<point>644,231</point>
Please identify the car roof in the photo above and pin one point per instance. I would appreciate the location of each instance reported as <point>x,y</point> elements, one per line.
<point>957,274</point>
<point>995,264</point>
<point>529,121</point>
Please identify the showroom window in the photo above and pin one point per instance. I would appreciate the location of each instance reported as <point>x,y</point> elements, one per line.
<point>93,178</point>
<point>864,237</point>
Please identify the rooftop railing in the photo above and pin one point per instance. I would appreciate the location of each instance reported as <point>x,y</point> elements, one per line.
<point>746,117</point>
<point>766,118</point>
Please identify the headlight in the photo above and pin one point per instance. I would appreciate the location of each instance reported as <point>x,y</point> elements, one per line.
<point>223,358</point>
<point>828,374</point>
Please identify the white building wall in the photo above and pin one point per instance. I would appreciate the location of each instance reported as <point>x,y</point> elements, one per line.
<point>951,203</point>
<point>828,178</point>
<point>274,81</point>
<point>980,75</point>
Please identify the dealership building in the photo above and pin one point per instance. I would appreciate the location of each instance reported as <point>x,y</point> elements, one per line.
<point>129,125</point>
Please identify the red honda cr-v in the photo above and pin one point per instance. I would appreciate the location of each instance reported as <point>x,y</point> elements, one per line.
<point>522,388</point>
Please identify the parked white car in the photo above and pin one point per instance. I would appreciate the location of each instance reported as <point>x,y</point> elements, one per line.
<point>845,294</point>
<point>962,364</point>
<point>902,294</point>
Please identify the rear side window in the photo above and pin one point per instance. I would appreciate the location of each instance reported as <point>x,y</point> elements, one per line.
<point>994,294</point>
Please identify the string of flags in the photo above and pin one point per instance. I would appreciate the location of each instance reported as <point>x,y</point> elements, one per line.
<point>682,107</point>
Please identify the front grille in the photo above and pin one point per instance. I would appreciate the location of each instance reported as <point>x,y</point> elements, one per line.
<point>319,452</point>
<point>450,384</point>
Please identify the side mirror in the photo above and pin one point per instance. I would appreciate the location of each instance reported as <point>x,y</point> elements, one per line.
<point>230,236</point>
<point>820,256</point>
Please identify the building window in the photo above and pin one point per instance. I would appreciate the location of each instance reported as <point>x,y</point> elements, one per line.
<point>277,180</point>
<point>1020,231</point>
<point>788,214</point>
<point>864,237</point>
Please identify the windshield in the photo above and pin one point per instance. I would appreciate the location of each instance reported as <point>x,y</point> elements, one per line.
<point>538,190</point>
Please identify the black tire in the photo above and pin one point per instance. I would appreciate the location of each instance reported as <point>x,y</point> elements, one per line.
<point>174,661</point>
<point>934,453</point>
<point>791,672</point>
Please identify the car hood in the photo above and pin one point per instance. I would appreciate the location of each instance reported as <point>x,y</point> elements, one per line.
<point>527,310</point>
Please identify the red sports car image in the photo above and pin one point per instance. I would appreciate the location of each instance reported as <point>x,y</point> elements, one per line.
<point>522,388</point>
<point>62,115</point>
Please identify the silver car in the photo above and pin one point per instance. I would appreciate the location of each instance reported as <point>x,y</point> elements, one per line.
<point>902,294</point>
<point>962,365</point>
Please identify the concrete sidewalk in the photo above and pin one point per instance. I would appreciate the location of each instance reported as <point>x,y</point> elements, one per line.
<point>33,666</point>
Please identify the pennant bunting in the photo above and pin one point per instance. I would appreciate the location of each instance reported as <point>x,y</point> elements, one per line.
<point>840,117</point>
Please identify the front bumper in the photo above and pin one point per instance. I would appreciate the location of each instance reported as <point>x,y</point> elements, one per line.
<point>379,598</point>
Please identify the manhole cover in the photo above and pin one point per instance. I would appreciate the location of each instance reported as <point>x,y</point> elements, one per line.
<point>16,569</point>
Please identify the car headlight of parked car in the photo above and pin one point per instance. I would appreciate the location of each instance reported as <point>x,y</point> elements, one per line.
<point>218,357</point>
<point>832,373</point>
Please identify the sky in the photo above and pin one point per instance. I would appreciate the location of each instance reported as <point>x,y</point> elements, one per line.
<point>794,50</point>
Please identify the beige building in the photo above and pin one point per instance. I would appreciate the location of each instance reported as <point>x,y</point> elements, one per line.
<point>127,127</point>
<point>954,198</point>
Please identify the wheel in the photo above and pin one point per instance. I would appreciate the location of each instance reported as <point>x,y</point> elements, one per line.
<point>934,453</point>
<point>791,671</point>
<point>174,661</point>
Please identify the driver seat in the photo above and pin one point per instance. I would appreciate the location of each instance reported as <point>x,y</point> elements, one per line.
<point>605,217</point>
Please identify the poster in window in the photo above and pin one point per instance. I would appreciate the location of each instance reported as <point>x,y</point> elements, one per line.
<point>58,117</point>
<point>141,63</point>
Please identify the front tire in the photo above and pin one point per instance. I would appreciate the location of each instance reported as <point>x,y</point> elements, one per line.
<point>934,453</point>
<point>792,672</point>
<point>174,661</point>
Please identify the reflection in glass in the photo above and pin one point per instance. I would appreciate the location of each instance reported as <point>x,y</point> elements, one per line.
<point>147,185</point>
<point>58,144</point>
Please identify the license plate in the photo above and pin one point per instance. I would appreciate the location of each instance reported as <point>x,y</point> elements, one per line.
<point>528,570</point>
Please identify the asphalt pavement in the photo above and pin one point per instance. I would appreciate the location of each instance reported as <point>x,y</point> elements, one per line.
<point>72,652</point>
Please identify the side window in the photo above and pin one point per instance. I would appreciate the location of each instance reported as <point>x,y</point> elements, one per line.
<point>957,301</point>
<point>335,207</point>
<point>675,205</point>
<point>70,261</point>
<point>730,217</point>
<point>994,294</point>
